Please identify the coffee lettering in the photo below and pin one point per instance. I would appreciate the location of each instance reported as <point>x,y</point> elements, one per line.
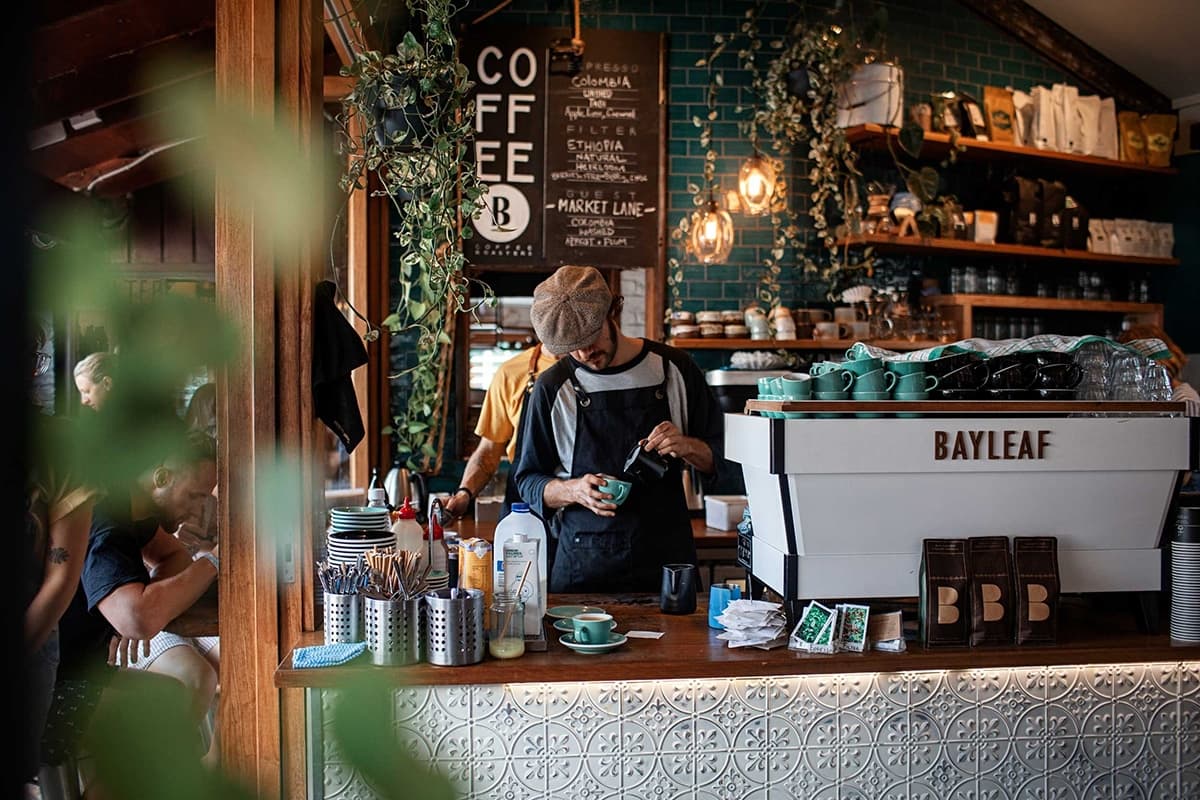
<point>976,439</point>
<point>940,450</point>
<point>1009,445</point>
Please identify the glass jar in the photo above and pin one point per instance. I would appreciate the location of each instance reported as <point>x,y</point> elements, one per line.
<point>970,281</point>
<point>995,283</point>
<point>506,627</point>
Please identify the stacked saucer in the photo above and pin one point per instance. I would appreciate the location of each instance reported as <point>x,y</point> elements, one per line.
<point>1185,576</point>
<point>360,518</point>
<point>346,546</point>
<point>437,579</point>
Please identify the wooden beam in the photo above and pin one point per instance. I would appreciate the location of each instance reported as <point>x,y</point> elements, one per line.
<point>124,26</point>
<point>125,76</point>
<point>349,28</point>
<point>246,408</point>
<point>1058,45</point>
<point>336,87</point>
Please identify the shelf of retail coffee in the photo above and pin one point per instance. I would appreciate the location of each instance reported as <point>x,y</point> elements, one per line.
<point>722,343</point>
<point>930,246</point>
<point>1043,303</point>
<point>938,144</point>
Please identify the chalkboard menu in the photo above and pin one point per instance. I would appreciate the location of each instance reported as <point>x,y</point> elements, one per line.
<point>572,154</point>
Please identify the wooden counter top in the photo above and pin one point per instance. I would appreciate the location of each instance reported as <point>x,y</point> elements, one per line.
<point>690,649</point>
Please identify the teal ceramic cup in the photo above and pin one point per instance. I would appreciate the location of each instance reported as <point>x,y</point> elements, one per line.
<point>902,368</point>
<point>797,387</point>
<point>591,627</point>
<point>862,366</point>
<point>915,382</point>
<point>839,381</point>
<point>618,488</point>
<point>857,352</point>
<point>823,368</point>
<point>875,381</point>
<point>764,388</point>
<point>776,385</point>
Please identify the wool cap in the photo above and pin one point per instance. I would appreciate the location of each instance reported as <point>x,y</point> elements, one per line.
<point>569,308</point>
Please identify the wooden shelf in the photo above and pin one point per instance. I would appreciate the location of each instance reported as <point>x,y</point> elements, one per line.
<point>925,246</point>
<point>1042,303</point>
<point>719,343</point>
<point>938,144</point>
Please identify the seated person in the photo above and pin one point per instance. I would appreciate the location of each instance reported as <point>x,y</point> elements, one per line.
<point>137,577</point>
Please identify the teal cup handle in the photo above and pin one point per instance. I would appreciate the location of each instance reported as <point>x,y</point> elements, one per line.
<point>619,489</point>
<point>916,382</point>
<point>591,627</point>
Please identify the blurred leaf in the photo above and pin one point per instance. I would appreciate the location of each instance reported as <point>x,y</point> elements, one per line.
<point>362,726</point>
<point>924,184</point>
<point>911,138</point>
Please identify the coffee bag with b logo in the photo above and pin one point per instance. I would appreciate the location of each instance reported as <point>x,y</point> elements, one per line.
<point>943,592</point>
<point>991,590</point>
<point>1035,565</point>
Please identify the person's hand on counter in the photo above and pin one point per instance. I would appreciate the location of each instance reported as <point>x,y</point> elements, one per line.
<point>123,651</point>
<point>584,491</point>
<point>666,439</point>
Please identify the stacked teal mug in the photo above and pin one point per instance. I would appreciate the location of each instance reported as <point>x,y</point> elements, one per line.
<point>912,382</point>
<point>792,388</point>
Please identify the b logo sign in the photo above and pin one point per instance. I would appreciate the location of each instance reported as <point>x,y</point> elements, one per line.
<point>1039,610</point>
<point>993,611</point>
<point>505,215</point>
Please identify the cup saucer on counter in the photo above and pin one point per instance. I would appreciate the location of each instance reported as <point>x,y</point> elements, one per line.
<point>566,612</point>
<point>615,640</point>
<point>566,626</point>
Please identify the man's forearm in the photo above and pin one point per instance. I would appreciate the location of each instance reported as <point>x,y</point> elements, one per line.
<point>700,456</point>
<point>482,465</point>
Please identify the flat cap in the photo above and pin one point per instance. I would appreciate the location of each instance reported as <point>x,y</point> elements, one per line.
<point>569,308</point>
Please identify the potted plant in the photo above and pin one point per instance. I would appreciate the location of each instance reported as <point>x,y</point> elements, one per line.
<point>408,120</point>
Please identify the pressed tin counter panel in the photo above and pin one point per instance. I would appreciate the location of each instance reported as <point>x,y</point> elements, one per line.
<point>1113,731</point>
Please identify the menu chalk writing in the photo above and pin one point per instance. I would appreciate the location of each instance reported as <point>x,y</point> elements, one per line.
<point>596,196</point>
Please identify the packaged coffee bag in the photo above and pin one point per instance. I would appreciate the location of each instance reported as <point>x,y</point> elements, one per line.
<point>1107,139</point>
<point>1075,226</point>
<point>1098,237</point>
<point>971,117</point>
<point>1159,131</point>
<point>1001,114</point>
<point>943,592</point>
<point>1025,206</point>
<point>1035,567</point>
<point>1133,139</point>
<point>991,590</point>
<point>1054,203</point>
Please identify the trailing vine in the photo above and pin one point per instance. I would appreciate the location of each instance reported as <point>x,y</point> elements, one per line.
<point>408,120</point>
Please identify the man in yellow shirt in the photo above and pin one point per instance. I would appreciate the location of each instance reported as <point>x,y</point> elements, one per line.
<point>499,421</point>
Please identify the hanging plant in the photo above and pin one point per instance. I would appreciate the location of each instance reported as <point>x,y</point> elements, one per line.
<point>408,120</point>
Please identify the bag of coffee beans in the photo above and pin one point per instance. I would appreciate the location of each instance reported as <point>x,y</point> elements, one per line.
<point>998,105</point>
<point>1025,208</point>
<point>1159,130</point>
<point>1133,139</point>
<point>1075,226</point>
<point>1035,567</point>
<point>990,590</point>
<point>943,592</point>
<point>1054,203</point>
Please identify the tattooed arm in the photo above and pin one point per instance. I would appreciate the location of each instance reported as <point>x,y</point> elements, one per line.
<point>65,552</point>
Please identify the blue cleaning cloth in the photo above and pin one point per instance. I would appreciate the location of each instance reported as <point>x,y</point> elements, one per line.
<point>326,655</point>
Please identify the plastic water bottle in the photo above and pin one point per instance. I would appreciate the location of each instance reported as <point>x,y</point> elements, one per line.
<point>409,534</point>
<point>377,498</point>
<point>521,520</point>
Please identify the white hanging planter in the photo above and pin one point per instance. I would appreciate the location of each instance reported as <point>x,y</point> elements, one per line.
<point>873,94</point>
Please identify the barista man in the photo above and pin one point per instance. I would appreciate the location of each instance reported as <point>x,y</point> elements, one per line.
<point>586,414</point>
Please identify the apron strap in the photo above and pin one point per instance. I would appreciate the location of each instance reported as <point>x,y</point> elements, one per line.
<point>534,356</point>
<point>582,398</point>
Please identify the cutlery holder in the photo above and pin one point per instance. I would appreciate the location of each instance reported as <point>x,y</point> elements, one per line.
<point>343,618</point>
<point>455,626</point>
<point>395,630</point>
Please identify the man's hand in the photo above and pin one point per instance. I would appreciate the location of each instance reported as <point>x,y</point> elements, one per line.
<point>583,491</point>
<point>458,505</point>
<point>666,439</point>
<point>123,651</point>
<point>193,538</point>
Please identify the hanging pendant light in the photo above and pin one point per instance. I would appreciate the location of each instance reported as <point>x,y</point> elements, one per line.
<point>756,185</point>
<point>712,233</point>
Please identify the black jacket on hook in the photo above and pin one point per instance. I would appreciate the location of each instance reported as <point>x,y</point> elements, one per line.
<point>337,350</point>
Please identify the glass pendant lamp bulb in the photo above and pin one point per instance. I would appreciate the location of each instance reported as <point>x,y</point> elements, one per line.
<point>712,234</point>
<point>756,185</point>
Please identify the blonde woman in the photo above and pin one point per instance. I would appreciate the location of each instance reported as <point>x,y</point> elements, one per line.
<point>94,379</point>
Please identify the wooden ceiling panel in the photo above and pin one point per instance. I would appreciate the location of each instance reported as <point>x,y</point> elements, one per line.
<point>85,39</point>
<point>125,76</point>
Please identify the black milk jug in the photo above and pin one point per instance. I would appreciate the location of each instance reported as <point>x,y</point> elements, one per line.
<point>678,594</point>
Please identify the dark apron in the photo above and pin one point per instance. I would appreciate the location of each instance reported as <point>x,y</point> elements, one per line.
<point>624,553</point>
